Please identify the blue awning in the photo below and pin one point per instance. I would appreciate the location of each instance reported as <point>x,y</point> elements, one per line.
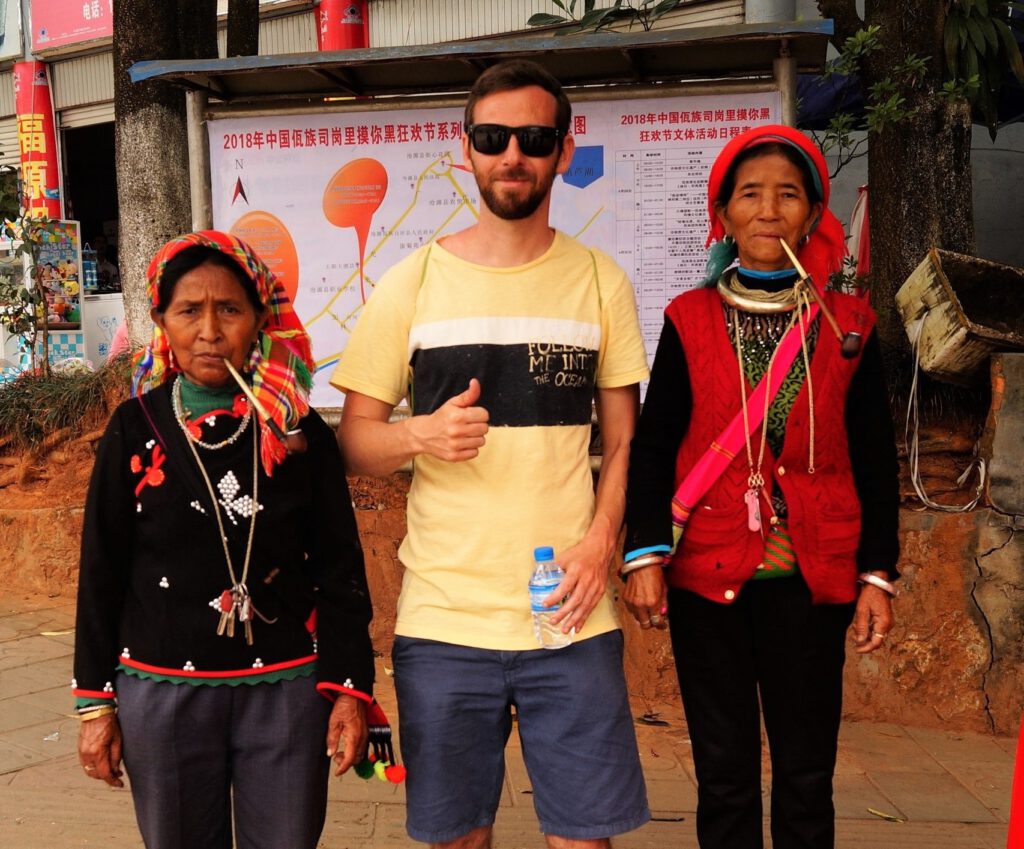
<point>740,51</point>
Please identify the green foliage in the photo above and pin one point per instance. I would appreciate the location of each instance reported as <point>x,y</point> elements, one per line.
<point>838,139</point>
<point>34,405</point>
<point>17,304</point>
<point>959,89</point>
<point>28,311</point>
<point>644,13</point>
<point>885,102</point>
<point>884,111</point>
<point>855,49</point>
<point>846,279</point>
<point>10,193</point>
<point>978,46</point>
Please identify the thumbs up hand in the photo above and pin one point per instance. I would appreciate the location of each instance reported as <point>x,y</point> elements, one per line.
<point>456,430</point>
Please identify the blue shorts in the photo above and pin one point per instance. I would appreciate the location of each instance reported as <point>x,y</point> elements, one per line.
<point>454,706</point>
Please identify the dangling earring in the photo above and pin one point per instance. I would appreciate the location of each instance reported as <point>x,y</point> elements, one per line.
<point>255,354</point>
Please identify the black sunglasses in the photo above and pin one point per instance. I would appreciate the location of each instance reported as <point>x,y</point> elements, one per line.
<point>492,139</point>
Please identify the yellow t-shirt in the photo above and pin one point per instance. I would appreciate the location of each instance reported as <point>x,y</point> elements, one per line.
<point>539,337</point>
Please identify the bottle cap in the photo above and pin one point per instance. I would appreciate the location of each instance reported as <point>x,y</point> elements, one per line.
<point>545,552</point>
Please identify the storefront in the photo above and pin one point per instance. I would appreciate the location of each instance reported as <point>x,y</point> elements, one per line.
<point>74,40</point>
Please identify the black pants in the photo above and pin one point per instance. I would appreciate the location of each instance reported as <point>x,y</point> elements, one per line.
<point>195,755</point>
<point>774,643</point>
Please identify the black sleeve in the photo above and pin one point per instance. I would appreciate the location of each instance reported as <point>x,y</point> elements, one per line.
<point>345,654</point>
<point>873,460</point>
<point>107,536</point>
<point>652,456</point>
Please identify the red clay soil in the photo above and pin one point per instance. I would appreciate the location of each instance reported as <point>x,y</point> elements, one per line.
<point>937,669</point>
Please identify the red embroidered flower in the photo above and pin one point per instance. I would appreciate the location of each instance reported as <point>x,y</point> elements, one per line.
<point>154,475</point>
<point>136,463</point>
<point>240,407</point>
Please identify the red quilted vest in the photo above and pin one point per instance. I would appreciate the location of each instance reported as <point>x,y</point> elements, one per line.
<point>718,553</point>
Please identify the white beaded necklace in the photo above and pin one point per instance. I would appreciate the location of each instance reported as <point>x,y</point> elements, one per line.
<point>180,414</point>
<point>234,601</point>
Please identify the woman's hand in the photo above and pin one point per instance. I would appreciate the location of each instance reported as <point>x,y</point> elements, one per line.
<point>646,596</point>
<point>872,619</point>
<point>99,749</point>
<point>347,725</point>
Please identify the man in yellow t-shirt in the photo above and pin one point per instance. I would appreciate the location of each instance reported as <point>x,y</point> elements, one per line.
<point>502,336</point>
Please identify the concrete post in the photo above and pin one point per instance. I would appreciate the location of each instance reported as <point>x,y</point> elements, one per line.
<point>785,78</point>
<point>199,161</point>
<point>769,11</point>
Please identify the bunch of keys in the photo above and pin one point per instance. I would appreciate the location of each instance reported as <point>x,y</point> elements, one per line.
<point>232,602</point>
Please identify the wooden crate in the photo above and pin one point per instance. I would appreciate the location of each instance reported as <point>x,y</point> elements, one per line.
<point>964,308</point>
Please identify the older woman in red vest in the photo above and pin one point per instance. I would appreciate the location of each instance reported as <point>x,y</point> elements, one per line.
<point>762,501</point>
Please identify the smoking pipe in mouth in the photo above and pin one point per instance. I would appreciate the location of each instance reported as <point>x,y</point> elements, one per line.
<point>294,441</point>
<point>849,343</point>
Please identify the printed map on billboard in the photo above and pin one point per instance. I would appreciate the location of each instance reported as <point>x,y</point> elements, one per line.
<point>332,200</point>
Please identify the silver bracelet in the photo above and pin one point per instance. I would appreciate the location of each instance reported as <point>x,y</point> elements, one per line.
<point>642,562</point>
<point>881,583</point>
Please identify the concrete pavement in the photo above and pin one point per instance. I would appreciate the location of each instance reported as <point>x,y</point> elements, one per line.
<point>951,789</point>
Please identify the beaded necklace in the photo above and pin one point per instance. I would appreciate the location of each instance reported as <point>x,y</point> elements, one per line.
<point>790,305</point>
<point>234,601</point>
<point>181,415</point>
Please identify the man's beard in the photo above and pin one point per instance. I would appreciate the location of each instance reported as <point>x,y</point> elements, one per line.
<point>511,207</point>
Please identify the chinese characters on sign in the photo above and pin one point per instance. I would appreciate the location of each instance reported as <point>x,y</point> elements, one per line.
<point>58,23</point>
<point>349,136</point>
<point>37,140</point>
<point>355,192</point>
<point>662,160</point>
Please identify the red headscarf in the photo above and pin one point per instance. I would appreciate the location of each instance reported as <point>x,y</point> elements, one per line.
<point>281,365</point>
<point>823,251</point>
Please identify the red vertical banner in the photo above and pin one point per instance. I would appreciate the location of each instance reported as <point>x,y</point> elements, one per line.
<point>342,24</point>
<point>37,140</point>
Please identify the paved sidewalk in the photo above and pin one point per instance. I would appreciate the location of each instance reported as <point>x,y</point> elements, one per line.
<point>952,790</point>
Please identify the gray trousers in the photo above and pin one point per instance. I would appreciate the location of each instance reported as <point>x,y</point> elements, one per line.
<point>197,755</point>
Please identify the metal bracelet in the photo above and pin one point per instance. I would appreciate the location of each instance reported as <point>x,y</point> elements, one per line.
<point>881,583</point>
<point>106,710</point>
<point>643,562</point>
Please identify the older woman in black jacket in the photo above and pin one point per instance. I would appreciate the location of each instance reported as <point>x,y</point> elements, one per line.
<point>222,641</point>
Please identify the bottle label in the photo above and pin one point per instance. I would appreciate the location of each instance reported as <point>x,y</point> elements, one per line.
<point>540,591</point>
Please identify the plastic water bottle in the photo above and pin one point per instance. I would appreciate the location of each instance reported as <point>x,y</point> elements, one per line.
<point>547,575</point>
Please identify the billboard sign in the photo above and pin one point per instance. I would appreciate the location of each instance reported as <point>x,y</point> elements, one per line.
<point>59,23</point>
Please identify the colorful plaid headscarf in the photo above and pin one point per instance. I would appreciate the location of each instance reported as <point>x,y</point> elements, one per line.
<point>823,251</point>
<point>281,366</point>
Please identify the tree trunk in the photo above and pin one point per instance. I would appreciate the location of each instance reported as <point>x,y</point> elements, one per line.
<point>920,198</point>
<point>243,27</point>
<point>197,29</point>
<point>151,144</point>
<point>920,168</point>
